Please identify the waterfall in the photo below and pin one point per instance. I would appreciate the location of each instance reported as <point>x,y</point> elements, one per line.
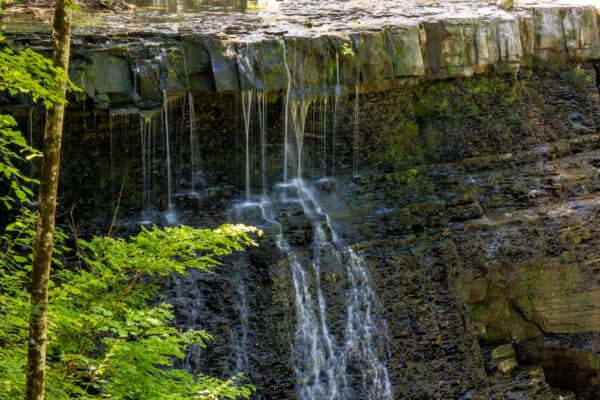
<point>247,97</point>
<point>120,124</point>
<point>299,111</point>
<point>355,141</point>
<point>362,327</point>
<point>241,364</point>
<point>324,142</point>
<point>286,113</point>
<point>322,365</point>
<point>336,388</point>
<point>149,128</point>
<point>313,366</point>
<point>171,215</point>
<point>192,132</point>
<point>262,120</point>
<point>145,140</point>
<point>337,92</point>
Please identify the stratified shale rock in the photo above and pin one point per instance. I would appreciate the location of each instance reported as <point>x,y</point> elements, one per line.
<point>454,147</point>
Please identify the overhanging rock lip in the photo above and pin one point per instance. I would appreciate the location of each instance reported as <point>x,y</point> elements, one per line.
<point>394,49</point>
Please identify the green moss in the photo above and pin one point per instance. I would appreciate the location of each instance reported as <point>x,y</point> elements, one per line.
<point>433,100</point>
<point>478,311</point>
<point>403,148</point>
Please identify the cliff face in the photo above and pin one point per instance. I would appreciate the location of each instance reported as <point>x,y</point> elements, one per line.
<point>458,153</point>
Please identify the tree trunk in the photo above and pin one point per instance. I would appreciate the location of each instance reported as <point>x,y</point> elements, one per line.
<point>44,240</point>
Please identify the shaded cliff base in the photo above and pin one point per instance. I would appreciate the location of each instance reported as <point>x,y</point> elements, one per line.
<point>476,210</point>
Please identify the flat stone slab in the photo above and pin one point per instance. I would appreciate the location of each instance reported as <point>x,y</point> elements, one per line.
<point>313,45</point>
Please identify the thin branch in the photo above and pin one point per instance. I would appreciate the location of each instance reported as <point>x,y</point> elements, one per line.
<point>114,220</point>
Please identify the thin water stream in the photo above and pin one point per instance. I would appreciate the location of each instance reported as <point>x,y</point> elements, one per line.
<point>192,118</point>
<point>171,218</point>
<point>247,97</point>
<point>262,119</point>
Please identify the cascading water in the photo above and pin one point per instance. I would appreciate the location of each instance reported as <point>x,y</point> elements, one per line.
<point>145,141</point>
<point>241,363</point>
<point>313,347</point>
<point>286,113</point>
<point>324,141</point>
<point>362,330</point>
<point>321,364</point>
<point>121,122</point>
<point>339,354</point>
<point>262,119</point>
<point>171,214</point>
<point>355,136</point>
<point>247,97</point>
<point>150,125</point>
<point>363,346</point>
<point>299,111</point>
<point>337,92</point>
<point>192,140</point>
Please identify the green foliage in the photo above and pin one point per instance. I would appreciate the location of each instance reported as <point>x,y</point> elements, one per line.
<point>14,151</point>
<point>346,50</point>
<point>26,71</point>
<point>23,71</point>
<point>105,340</point>
<point>582,74</point>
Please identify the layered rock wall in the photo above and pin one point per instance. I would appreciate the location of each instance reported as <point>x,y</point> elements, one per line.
<point>386,52</point>
<point>465,151</point>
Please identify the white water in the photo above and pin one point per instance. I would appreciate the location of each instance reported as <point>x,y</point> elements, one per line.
<point>312,362</point>
<point>362,328</point>
<point>320,360</point>
<point>322,363</point>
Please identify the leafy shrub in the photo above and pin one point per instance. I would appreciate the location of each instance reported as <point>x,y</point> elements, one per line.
<point>105,339</point>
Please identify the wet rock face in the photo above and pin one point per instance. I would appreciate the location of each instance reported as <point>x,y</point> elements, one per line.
<point>473,200</point>
<point>399,46</point>
<point>434,351</point>
<point>475,210</point>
